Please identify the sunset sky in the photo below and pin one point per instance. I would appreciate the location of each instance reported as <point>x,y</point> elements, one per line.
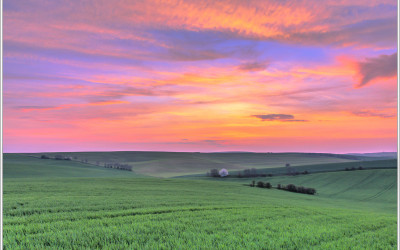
<point>263,76</point>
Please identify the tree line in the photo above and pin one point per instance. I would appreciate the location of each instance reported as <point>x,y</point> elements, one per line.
<point>353,168</point>
<point>250,173</point>
<point>289,187</point>
<point>116,165</point>
<point>261,184</point>
<point>57,157</point>
<point>300,189</point>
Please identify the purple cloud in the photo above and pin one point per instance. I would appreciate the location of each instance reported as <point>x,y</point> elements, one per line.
<point>371,113</point>
<point>377,67</point>
<point>278,117</point>
<point>253,66</point>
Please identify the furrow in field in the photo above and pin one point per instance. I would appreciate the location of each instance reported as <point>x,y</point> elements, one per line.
<point>67,215</point>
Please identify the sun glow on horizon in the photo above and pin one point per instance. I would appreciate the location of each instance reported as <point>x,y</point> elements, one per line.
<point>200,76</point>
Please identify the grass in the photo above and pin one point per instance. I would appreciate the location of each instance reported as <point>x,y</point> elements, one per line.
<point>317,168</point>
<point>21,166</point>
<point>375,189</point>
<point>50,204</point>
<point>169,164</point>
<point>120,213</point>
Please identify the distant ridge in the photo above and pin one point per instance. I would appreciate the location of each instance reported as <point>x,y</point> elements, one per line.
<point>377,154</point>
<point>169,164</point>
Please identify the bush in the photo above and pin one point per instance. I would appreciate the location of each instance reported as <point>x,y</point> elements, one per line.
<point>311,191</point>
<point>291,188</point>
<point>301,189</point>
<point>44,157</point>
<point>59,157</point>
<point>260,184</point>
<point>268,185</point>
<point>214,173</point>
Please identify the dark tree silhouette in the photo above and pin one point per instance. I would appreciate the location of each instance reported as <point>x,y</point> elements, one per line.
<point>260,184</point>
<point>214,172</point>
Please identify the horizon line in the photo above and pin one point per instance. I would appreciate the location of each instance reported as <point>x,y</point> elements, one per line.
<point>204,152</point>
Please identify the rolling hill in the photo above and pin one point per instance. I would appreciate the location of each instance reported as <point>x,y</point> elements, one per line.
<point>168,164</point>
<point>50,204</point>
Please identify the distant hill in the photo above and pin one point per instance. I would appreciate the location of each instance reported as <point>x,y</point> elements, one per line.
<point>389,155</point>
<point>315,168</point>
<point>168,164</point>
<point>25,166</point>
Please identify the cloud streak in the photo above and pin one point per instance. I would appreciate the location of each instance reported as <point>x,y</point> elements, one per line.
<point>253,66</point>
<point>373,113</point>
<point>278,117</point>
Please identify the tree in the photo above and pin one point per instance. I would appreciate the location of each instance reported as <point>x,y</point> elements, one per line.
<point>214,172</point>
<point>311,191</point>
<point>58,157</point>
<point>267,185</point>
<point>252,183</point>
<point>291,188</point>
<point>260,184</point>
<point>223,172</point>
<point>301,190</point>
<point>253,172</point>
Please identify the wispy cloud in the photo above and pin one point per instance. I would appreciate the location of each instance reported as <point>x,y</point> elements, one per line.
<point>253,66</point>
<point>279,117</point>
<point>373,113</point>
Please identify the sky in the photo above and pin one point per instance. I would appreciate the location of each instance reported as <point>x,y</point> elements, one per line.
<point>208,76</point>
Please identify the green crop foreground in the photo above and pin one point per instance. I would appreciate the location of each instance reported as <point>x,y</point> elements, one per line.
<point>151,213</point>
<point>66,204</point>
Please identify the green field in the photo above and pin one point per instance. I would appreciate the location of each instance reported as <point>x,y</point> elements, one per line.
<point>169,164</point>
<point>316,168</point>
<point>22,165</point>
<point>85,208</point>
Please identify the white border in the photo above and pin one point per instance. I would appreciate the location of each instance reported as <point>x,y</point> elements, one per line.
<point>1,125</point>
<point>398,107</point>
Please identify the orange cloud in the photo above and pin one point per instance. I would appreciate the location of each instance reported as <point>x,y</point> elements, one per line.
<point>111,102</point>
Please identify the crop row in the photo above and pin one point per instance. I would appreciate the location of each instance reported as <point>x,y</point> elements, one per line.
<point>251,227</point>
